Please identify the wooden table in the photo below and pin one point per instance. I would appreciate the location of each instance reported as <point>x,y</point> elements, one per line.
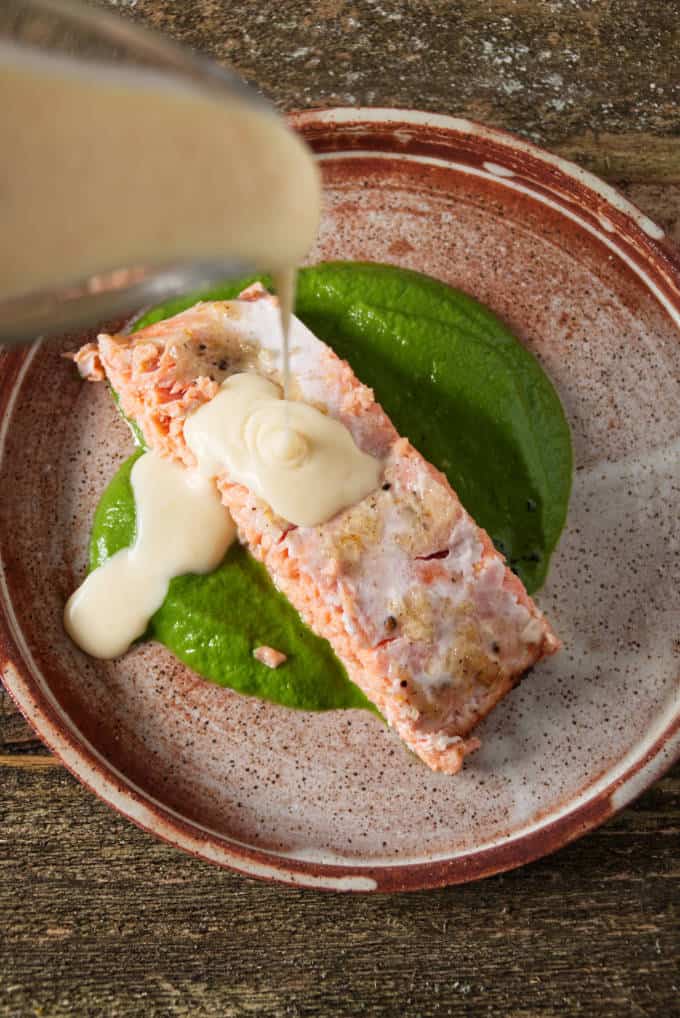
<point>97,918</point>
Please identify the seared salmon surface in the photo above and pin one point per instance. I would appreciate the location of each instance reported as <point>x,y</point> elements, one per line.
<point>411,594</point>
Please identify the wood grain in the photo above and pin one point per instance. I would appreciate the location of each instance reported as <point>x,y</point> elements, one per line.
<point>16,736</point>
<point>553,71</point>
<point>99,919</point>
<point>35,762</point>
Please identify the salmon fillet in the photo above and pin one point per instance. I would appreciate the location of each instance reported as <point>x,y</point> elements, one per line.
<point>411,594</point>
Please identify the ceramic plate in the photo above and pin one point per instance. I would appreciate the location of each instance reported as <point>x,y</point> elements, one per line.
<point>333,800</point>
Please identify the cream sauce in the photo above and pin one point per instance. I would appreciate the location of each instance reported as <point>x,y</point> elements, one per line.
<point>181,527</point>
<point>285,283</point>
<point>105,170</point>
<point>304,464</point>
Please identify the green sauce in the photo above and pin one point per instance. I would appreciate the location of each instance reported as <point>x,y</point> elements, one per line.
<point>214,622</point>
<point>470,398</point>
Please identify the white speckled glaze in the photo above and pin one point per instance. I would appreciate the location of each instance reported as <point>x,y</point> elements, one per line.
<point>333,800</point>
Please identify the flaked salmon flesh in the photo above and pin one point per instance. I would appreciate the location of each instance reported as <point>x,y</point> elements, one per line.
<point>411,594</point>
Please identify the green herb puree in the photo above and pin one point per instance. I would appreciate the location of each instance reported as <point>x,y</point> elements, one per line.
<point>466,393</point>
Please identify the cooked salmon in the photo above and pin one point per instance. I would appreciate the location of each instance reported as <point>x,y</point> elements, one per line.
<point>269,656</point>
<point>411,594</point>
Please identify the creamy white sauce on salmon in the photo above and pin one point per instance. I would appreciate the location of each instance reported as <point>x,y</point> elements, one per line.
<point>107,170</point>
<point>182,527</point>
<point>303,463</point>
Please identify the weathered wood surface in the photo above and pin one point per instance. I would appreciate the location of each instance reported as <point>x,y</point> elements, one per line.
<point>100,919</point>
<point>97,918</point>
<point>596,80</point>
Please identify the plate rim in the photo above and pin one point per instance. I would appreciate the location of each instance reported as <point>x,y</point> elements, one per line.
<point>421,132</point>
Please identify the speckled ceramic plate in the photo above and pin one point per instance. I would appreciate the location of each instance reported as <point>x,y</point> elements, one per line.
<point>332,800</point>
